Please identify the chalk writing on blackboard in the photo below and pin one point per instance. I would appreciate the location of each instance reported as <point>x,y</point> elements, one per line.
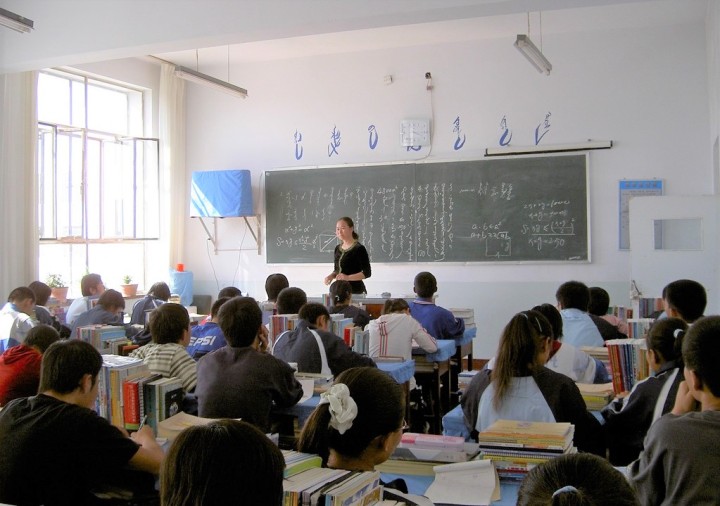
<point>507,210</point>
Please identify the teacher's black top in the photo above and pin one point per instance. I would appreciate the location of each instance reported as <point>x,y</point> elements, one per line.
<point>351,261</point>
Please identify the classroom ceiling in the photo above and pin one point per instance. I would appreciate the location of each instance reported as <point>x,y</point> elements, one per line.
<point>191,32</point>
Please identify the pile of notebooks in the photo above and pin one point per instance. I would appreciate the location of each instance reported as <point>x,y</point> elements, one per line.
<point>628,363</point>
<point>279,323</point>
<point>646,307</point>
<point>598,352</point>
<point>516,447</point>
<point>596,396</point>
<point>318,486</point>
<point>638,327</point>
<point>467,315</point>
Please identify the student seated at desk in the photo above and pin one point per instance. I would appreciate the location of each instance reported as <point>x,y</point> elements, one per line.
<point>573,298</point>
<point>314,348</point>
<point>680,463</point>
<point>358,423</point>
<point>439,322</point>
<point>91,287</point>
<point>166,354</point>
<point>42,314</point>
<point>395,331</point>
<point>274,284</point>
<point>685,299</point>
<point>107,311</point>
<point>341,295</point>
<point>565,358</point>
<point>578,479</point>
<point>207,336</point>
<point>15,319</point>
<point>20,365</point>
<point>520,387</point>
<point>627,420</point>
<point>598,307</point>
<point>158,294</point>
<point>242,380</point>
<point>221,463</point>
<point>55,448</point>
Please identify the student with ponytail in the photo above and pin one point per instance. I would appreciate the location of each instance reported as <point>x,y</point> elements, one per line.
<point>628,420</point>
<point>341,296</point>
<point>518,386</point>
<point>576,480</point>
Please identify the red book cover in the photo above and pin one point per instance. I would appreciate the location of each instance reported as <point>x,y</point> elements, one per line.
<point>131,406</point>
<point>348,335</point>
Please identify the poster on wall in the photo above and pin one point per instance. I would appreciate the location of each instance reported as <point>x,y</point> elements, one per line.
<point>629,189</point>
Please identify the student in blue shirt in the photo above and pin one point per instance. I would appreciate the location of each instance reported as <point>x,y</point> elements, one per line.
<point>573,299</point>
<point>208,336</point>
<point>439,322</point>
<point>159,293</point>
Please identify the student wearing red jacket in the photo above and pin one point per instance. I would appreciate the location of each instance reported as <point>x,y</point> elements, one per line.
<point>20,365</point>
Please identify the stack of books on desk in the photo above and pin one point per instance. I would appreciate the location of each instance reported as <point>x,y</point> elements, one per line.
<point>516,447</point>
<point>467,315</point>
<point>107,339</point>
<point>628,363</point>
<point>638,327</point>
<point>332,487</point>
<point>279,323</point>
<point>115,370</point>
<point>596,396</point>
<point>361,341</point>
<point>598,352</point>
<point>342,327</point>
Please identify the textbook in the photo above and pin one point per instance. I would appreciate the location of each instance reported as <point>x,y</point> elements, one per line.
<point>596,396</point>
<point>297,462</point>
<point>628,363</point>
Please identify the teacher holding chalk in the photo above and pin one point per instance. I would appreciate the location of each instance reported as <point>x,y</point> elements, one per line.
<point>351,258</point>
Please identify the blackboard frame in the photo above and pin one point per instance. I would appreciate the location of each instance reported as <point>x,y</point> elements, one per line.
<point>372,182</point>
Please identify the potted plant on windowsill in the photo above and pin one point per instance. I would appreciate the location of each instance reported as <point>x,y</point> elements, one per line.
<point>129,289</point>
<point>58,289</point>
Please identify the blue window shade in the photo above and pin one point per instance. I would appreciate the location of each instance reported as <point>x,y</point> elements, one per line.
<point>221,194</point>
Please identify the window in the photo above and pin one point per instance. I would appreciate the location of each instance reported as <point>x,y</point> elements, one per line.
<point>98,180</point>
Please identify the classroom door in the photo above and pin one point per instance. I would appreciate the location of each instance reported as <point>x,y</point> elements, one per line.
<point>675,237</point>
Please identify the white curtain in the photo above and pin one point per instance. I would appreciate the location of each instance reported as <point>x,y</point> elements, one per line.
<point>173,179</point>
<point>18,191</point>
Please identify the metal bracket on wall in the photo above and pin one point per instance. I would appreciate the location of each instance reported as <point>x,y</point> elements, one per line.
<point>213,237</point>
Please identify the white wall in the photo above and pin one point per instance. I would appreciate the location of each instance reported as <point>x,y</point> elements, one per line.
<point>645,88</point>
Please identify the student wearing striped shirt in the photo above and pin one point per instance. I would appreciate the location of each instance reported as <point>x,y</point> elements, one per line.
<point>166,353</point>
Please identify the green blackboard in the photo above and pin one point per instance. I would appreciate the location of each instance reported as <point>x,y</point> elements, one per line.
<point>500,210</point>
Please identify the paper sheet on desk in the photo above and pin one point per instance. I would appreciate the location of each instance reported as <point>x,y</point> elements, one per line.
<point>473,483</point>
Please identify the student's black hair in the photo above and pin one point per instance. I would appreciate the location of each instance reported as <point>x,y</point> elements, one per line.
<point>223,462</point>
<point>42,292</point>
<point>311,311</point>
<point>240,319</point>
<point>701,352</point>
<point>520,346</point>
<point>274,284</point>
<point>217,305</point>
<point>168,322</point>
<point>665,338</point>
<point>349,222</point>
<point>41,337</point>
<point>160,290</point>
<point>64,364</point>
<point>687,297</point>
<point>230,292</point>
<point>553,317</point>
<point>579,479</point>
<point>425,284</point>
<point>395,306</point>
<point>573,295</point>
<point>340,291</point>
<point>111,299</point>
<point>290,300</point>
<point>380,411</point>
<point>599,301</point>
<point>88,282</point>
<point>21,293</point>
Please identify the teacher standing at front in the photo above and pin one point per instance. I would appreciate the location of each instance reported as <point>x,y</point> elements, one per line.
<point>352,262</point>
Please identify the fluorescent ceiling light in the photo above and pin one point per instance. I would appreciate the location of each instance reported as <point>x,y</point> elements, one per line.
<point>18,23</point>
<point>533,54</point>
<point>206,80</point>
<point>553,148</point>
